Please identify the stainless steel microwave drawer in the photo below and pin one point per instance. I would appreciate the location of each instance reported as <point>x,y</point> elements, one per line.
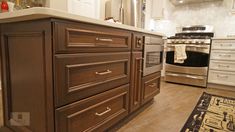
<point>221,77</point>
<point>223,44</point>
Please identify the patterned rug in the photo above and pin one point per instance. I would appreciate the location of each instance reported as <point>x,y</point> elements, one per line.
<point>212,114</point>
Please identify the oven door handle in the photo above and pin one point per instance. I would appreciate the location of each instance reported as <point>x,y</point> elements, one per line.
<point>193,45</point>
<point>188,76</point>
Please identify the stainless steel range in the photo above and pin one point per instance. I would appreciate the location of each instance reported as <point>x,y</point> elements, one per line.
<point>192,70</point>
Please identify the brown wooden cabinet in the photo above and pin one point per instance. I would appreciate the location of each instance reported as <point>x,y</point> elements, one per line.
<point>95,113</point>
<point>72,37</point>
<point>136,78</point>
<point>71,76</point>
<point>78,76</point>
<point>151,86</point>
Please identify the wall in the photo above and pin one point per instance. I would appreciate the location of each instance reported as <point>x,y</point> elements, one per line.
<point>209,13</point>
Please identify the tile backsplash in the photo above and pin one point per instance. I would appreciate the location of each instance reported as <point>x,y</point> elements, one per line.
<point>209,13</point>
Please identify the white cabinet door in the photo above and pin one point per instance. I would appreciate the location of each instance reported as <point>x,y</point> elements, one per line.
<point>88,8</point>
<point>158,9</point>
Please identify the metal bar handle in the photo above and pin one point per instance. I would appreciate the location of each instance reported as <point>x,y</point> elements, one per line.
<point>223,65</point>
<point>226,45</point>
<point>104,39</point>
<point>222,76</point>
<point>224,55</point>
<point>106,111</point>
<point>103,73</point>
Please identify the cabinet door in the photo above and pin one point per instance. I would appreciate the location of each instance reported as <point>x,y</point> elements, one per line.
<point>158,9</point>
<point>151,86</point>
<point>135,91</point>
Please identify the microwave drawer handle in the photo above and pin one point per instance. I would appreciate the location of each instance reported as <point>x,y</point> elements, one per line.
<point>104,39</point>
<point>103,73</point>
<point>188,76</point>
<point>106,111</point>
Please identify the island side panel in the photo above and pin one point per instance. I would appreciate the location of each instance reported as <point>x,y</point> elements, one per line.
<point>26,54</point>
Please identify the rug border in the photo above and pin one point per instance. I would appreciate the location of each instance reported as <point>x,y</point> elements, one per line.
<point>198,103</point>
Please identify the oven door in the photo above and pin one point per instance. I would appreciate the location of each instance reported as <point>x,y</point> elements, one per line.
<point>152,59</point>
<point>196,63</point>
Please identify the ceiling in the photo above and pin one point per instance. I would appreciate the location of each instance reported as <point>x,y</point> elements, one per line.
<point>182,2</point>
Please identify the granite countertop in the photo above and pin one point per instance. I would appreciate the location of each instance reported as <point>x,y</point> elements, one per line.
<point>42,12</point>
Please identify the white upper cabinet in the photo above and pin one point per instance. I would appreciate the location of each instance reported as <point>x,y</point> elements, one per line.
<point>158,9</point>
<point>161,9</point>
<point>88,8</point>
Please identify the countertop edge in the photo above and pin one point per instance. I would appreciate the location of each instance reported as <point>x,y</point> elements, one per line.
<point>41,12</point>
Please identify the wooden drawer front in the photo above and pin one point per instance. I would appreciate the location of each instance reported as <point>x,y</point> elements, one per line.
<point>80,37</point>
<point>82,75</point>
<point>151,86</point>
<point>223,55</point>
<point>223,44</point>
<point>221,77</point>
<point>222,65</point>
<point>96,113</point>
<point>138,42</point>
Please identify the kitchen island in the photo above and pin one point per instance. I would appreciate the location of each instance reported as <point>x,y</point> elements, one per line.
<point>67,73</point>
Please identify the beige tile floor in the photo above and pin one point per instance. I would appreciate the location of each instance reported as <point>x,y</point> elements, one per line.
<point>169,111</point>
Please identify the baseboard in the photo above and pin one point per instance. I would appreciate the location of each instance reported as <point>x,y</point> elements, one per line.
<point>5,129</point>
<point>220,87</point>
<point>130,117</point>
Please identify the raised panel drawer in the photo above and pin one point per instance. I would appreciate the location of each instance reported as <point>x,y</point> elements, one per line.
<point>223,44</point>
<point>222,65</point>
<point>222,55</point>
<point>80,37</point>
<point>79,76</point>
<point>96,113</point>
<point>151,86</point>
<point>221,77</point>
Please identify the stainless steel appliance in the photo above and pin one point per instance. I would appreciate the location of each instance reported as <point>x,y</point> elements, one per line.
<point>153,51</point>
<point>194,69</point>
<point>129,12</point>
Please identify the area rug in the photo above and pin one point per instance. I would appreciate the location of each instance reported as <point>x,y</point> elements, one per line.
<point>212,114</point>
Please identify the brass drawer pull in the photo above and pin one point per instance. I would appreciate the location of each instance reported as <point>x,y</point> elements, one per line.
<point>153,85</point>
<point>104,39</point>
<point>107,110</point>
<point>103,73</point>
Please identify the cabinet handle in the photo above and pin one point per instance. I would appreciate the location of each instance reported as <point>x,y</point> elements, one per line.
<point>103,73</point>
<point>104,39</point>
<point>227,66</point>
<point>222,76</point>
<point>153,85</point>
<point>224,55</point>
<point>106,111</point>
<point>139,42</point>
<point>226,45</point>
